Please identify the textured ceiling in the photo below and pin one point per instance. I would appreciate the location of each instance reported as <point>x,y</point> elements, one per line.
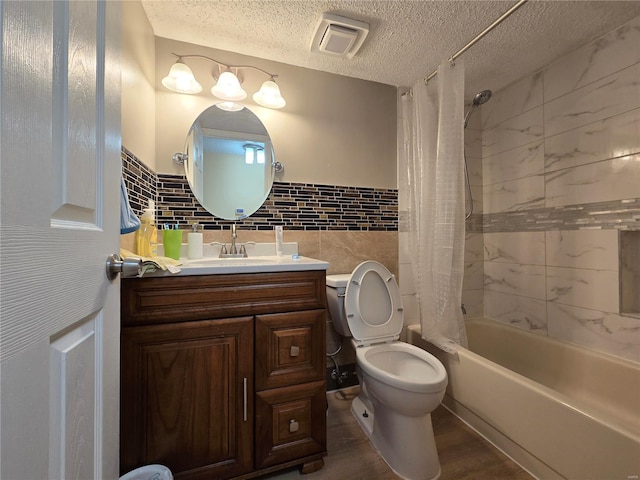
<point>407,39</point>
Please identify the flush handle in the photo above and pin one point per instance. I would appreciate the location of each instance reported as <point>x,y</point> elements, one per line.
<point>294,426</point>
<point>294,351</point>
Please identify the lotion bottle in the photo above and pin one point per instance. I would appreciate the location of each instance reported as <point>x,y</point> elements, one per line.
<point>278,230</point>
<point>194,243</point>
<point>147,235</point>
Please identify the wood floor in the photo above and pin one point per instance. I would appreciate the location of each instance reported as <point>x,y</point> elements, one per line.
<point>463,453</point>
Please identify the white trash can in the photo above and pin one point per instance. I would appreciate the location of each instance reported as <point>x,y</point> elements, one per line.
<point>149,472</point>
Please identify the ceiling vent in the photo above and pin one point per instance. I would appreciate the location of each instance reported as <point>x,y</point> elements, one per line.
<point>339,36</point>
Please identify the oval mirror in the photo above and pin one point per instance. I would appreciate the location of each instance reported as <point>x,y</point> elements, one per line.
<point>229,162</point>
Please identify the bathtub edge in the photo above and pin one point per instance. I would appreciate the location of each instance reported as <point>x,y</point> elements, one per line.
<point>528,462</point>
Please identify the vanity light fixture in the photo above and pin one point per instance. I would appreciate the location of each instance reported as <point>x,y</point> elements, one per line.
<point>228,84</point>
<point>228,87</point>
<point>181,79</point>
<point>269,95</point>
<point>229,106</point>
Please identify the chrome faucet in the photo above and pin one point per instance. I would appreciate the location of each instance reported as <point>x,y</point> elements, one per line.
<point>233,250</point>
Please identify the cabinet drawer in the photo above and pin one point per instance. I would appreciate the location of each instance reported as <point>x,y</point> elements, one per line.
<point>290,423</point>
<point>154,300</point>
<point>290,348</point>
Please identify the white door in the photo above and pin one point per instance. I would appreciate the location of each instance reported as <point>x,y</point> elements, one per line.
<point>59,220</point>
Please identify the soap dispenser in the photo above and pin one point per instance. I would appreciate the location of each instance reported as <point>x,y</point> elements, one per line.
<point>194,243</point>
<point>147,235</point>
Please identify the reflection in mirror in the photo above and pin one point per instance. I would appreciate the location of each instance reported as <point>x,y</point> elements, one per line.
<point>229,162</point>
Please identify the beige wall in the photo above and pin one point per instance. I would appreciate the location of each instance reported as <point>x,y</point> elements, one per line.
<point>334,130</point>
<point>138,90</point>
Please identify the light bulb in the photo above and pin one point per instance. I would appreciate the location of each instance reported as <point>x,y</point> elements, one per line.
<point>181,79</point>
<point>269,95</point>
<point>228,88</point>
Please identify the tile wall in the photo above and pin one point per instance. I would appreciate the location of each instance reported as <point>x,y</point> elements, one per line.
<point>554,167</point>
<point>561,179</point>
<point>296,206</point>
<point>140,180</point>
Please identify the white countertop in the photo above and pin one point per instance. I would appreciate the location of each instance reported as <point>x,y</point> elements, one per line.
<point>257,264</point>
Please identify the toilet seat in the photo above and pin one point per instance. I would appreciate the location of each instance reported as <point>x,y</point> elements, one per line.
<point>373,305</point>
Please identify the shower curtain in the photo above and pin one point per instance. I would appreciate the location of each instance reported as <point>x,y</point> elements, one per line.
<point>434,145</point>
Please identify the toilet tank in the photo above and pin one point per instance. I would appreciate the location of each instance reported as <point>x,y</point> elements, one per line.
<point>336,286</point>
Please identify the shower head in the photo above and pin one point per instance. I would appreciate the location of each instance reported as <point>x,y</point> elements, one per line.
<point>478,99</point>
<point>482,97</point>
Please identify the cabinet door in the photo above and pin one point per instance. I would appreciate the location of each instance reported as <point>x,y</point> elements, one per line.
<point>290,423</point>
<point>186,397</point>
<point>290,348</point>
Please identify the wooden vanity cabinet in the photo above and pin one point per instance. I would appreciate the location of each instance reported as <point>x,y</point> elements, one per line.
<point>222,376</point>
<point>290,386</point>
<point>182,397</point>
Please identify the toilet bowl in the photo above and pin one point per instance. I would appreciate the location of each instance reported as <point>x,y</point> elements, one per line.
<point>401,384</point>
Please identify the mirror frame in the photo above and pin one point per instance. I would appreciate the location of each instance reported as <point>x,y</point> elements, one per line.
<point>219,126</point>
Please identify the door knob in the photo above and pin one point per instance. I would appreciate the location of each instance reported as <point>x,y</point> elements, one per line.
<point>129,267</point>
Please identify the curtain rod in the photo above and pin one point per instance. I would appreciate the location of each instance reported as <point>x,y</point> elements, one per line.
<point>480,35</point>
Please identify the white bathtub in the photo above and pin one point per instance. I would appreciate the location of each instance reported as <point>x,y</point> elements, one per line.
<point>559,410</point>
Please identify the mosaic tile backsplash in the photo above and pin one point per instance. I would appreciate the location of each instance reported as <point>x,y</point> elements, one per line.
<point>296,206</point>
<point>140,181</point>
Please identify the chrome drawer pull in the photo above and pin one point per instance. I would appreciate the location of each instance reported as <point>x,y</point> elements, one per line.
<point>295,351</point>
<point>244,395</point>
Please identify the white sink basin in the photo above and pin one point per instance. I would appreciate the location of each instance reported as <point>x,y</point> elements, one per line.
<point>212,261</point>
<point>256,264</point>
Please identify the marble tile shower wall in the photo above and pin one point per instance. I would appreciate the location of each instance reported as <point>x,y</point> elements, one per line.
<point>473,285</point>
<point>561,178</point>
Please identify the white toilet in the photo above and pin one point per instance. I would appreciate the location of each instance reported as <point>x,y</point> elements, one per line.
<point>401,384</point>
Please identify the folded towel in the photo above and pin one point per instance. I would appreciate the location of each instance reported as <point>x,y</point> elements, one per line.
<point>151,264</point>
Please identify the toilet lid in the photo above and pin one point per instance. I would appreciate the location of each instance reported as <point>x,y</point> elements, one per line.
<point>372,304</point>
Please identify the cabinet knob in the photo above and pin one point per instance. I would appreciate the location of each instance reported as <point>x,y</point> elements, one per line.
<point>293,426</point>
<point>294,351</point>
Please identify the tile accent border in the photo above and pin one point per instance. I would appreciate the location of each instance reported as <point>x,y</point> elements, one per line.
<point>614,214</point>
<point>300,206</point>
<point>296,206</point>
